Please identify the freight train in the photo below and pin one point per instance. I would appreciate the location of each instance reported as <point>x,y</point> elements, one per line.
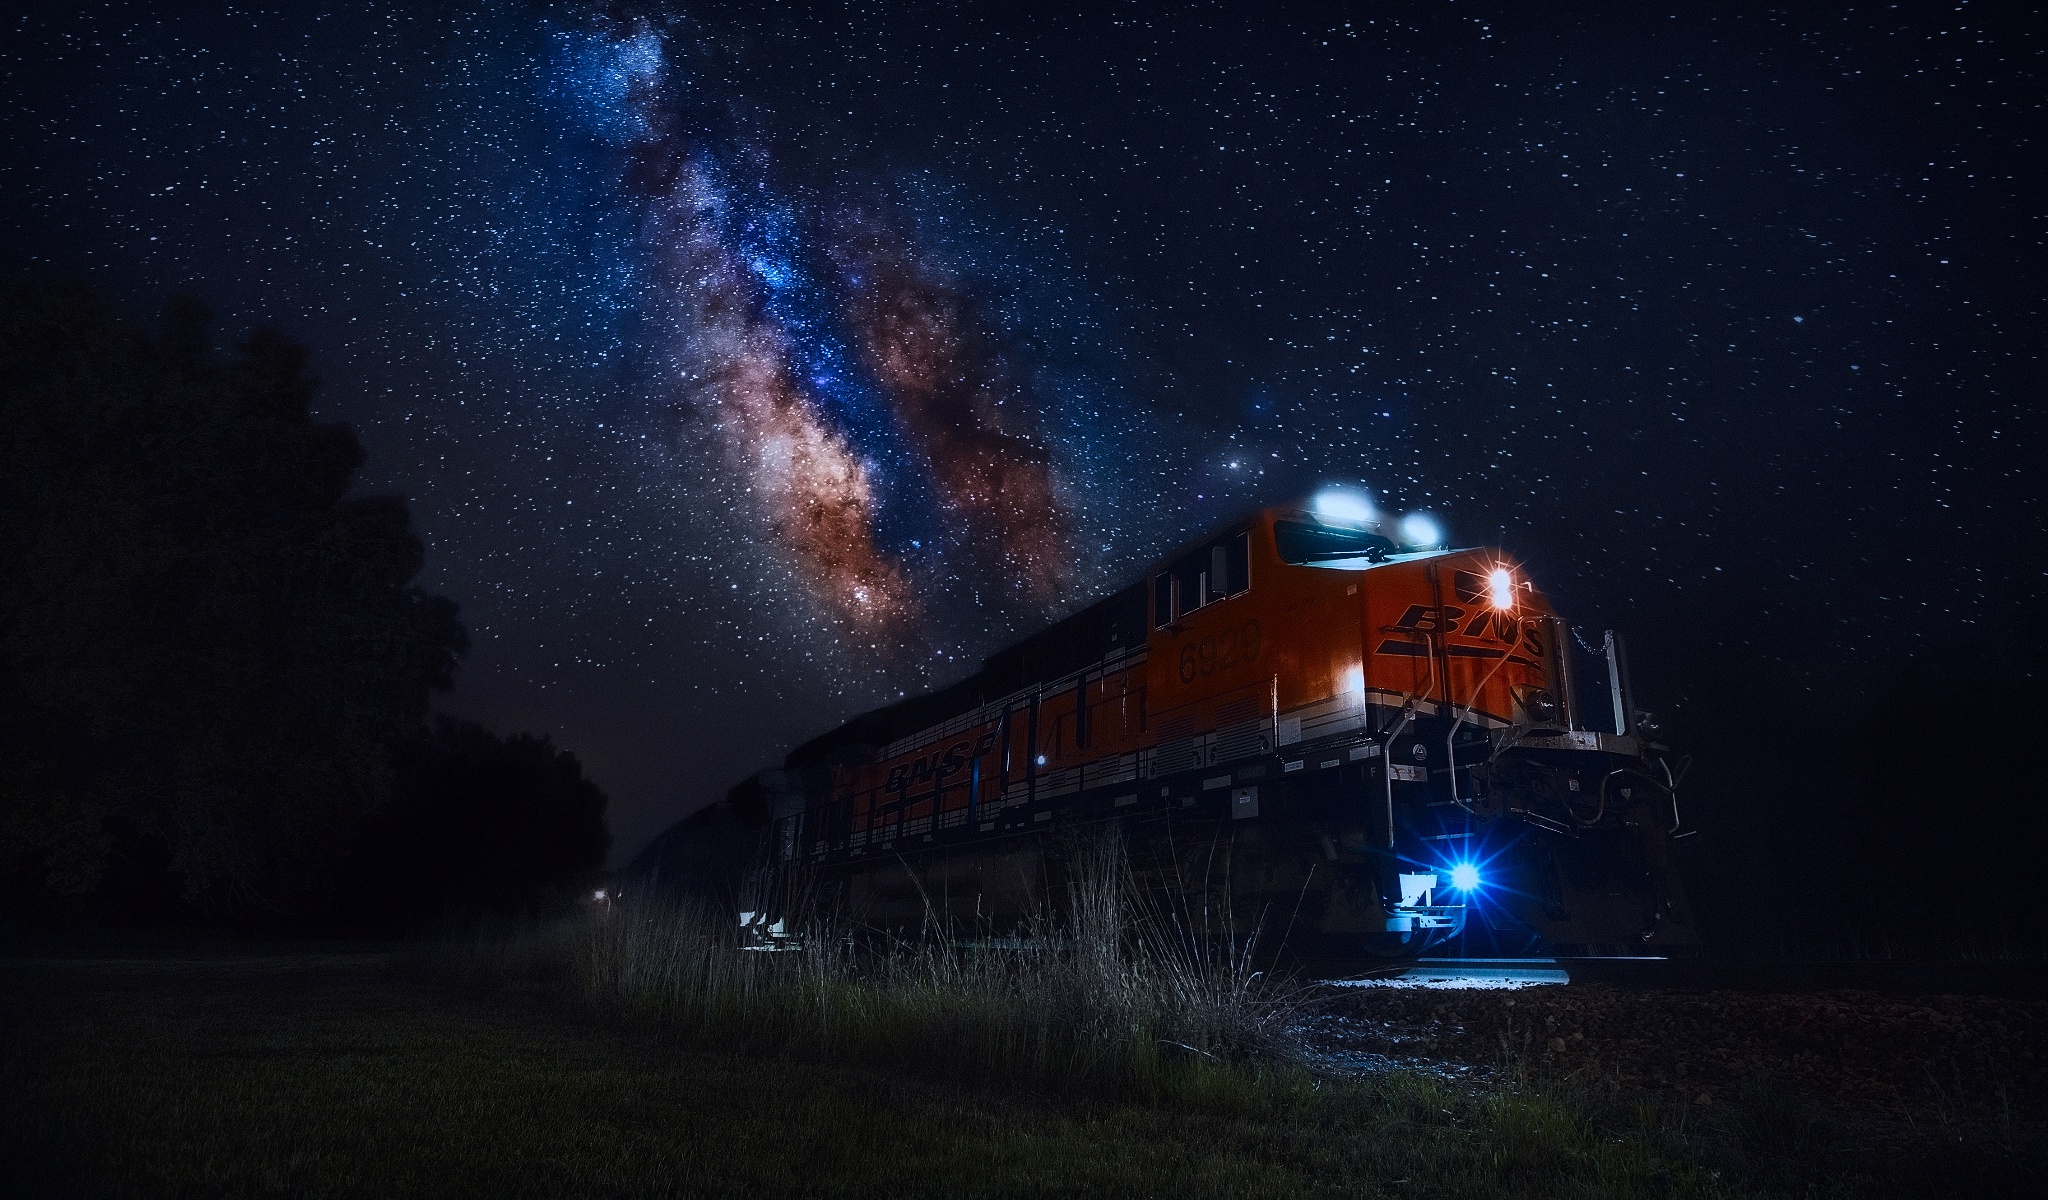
<point>1369,746</point>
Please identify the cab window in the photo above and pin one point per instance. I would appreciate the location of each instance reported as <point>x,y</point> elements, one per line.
<point>1216,572</point>
<point>1301,543</point>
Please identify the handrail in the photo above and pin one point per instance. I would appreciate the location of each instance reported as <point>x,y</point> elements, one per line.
<point>1669,790</point>
<point>1387,760</point>
<point>1450,745</point>
<point>1561,666</point>
<point>1618,685</point>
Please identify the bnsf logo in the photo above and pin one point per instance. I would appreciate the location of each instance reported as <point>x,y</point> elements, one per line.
<point>1491,624</point>
<point>939,763</point>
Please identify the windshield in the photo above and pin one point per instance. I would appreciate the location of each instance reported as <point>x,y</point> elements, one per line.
<point>1300,542</point>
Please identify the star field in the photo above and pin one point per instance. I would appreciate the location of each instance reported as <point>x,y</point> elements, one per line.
<point>749,366</point>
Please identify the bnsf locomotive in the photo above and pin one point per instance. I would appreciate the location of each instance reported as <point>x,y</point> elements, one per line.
<point>1383,745</point>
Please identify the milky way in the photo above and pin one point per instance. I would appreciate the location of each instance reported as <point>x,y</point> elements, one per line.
<point>749,365</point>
<point>849,382</point>
<point>738,372</point>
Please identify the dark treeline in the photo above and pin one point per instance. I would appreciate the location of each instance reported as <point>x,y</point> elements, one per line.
<point>480,823</point>
<point>215,665</point>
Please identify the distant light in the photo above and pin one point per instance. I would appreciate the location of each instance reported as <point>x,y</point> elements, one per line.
<point>1344,508</point>
<point>1502,584</point>
<point>598,895</point>
<point>1041,760</point>
<point>1421,529</point>
<point>1465,877</point>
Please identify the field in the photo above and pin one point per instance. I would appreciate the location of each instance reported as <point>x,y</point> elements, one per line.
<point>173,1069</point>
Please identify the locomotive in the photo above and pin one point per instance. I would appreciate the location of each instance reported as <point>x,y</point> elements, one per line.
<point>1385,744</point>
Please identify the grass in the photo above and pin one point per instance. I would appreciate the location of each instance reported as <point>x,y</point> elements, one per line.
<point>1113,998</point>
<point>254,1071</point>
<point>646,1052</point>
<point>242,1075</point>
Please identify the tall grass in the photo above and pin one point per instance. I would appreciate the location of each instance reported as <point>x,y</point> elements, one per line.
<point>1119,993</point>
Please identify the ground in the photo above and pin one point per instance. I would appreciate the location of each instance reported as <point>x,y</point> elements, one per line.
<point>1842,1072</point>
<point>225,1071</point>
<point>1939,1056</point>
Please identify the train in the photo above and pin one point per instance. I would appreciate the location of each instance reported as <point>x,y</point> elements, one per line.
<point>1369,745</point>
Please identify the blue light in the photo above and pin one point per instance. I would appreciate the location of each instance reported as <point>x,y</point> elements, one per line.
<point>1465,877</point>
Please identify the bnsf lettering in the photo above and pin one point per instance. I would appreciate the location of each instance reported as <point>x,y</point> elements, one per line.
<point>1422,618</point>
<point>1219,652</point>
<point>939,764</point>
<point>1505,628</point>
<point>1499,626</point>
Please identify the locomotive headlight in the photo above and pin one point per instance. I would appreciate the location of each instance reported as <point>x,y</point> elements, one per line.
<point>1500,587</point>
<point>1421,529</point>
<point>1344,508</point>
<point>1465,877</point>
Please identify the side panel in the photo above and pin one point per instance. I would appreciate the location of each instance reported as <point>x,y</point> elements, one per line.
<point>1436,634</point>
<point>930,786</point>
<point>1223,673</point>
<point>1079,733</point>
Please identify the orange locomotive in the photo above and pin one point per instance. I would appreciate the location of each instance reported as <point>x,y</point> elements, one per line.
<point>1386,742</point>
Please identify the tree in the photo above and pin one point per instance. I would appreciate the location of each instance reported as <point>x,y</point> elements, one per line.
<point>478,824</point>
<point>208,646</point>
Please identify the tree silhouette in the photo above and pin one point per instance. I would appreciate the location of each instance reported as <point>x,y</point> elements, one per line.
<point>208,647</point>
<point>479,824</point>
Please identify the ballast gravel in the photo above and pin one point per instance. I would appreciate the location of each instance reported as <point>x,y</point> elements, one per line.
<point>1849,1049</point>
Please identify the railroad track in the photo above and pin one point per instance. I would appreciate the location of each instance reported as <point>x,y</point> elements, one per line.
<point>1973,978</point>
<point>1970,978</point>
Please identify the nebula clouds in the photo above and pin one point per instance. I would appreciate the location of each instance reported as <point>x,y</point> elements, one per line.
<point>925,342</point>
<point>855,394</point>
<point>737,367</point>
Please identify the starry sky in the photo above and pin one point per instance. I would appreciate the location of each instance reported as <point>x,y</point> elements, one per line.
<point>750,365</point>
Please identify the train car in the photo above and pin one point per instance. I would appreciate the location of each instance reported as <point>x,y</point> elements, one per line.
<point>1374,747</point>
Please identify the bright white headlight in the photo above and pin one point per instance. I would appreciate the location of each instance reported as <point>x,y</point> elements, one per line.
<point>1421,529</point>
<point>1501,588</point>
<point>1343,508</point>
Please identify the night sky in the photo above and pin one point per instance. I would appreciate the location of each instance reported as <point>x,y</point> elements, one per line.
<point>745,371</point>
